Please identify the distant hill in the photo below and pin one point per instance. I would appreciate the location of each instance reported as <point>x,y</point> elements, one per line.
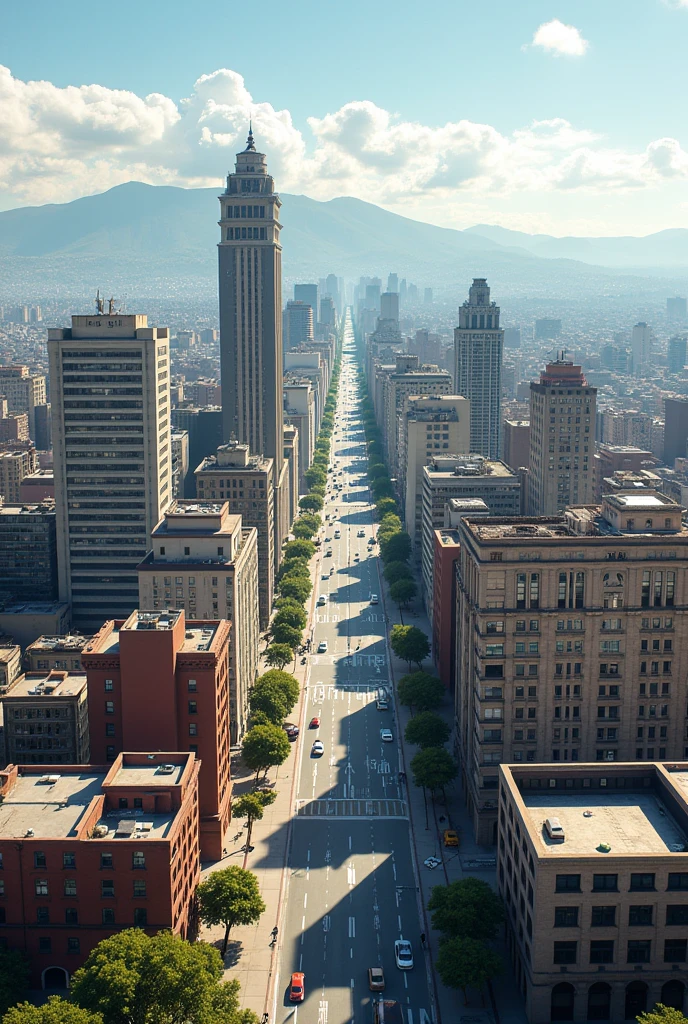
<point>148,240</point>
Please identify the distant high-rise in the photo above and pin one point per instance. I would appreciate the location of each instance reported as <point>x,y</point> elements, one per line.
<point>547,328</point>
<point>393,283</point>
<point>512,337</point>
<point>299,324</point>
<point>676,308</point>
<point>478,342</point>
<point>250,288</point>
<point>676,353</point>
<point>307,293</point>
<point>427,296</point>
<point>675,429</point>
<point>641,346</point>
<point>389,306</point>
<point>562,439</point>
<point>372,297</point>
<point>328,313</point>
<point>332,287</point>
<point>110,389</point>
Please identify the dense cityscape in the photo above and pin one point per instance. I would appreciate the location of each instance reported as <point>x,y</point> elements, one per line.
<point>342,626</point>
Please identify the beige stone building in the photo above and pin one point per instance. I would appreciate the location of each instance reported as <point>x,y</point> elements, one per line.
<point>596,922</point>
<point>571,641</point>
<point>408,379</point>
<point>46,719</point>
<point>292,458</point>
<point>562,440</point>
<point>15,465</point>
<point>110,388</point>
<point>246,483</point>
<point>60,652</point>
<point>23,391</point>
<point>10,664</point>
<point>204,561</point>
<point>430,425</point>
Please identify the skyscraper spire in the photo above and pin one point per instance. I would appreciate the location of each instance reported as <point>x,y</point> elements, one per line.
<point>250,145</point>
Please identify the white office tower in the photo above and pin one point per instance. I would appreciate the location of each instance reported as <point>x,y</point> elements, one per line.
<point>299,322</point>
<point>110,393</point>
<point>478,343</point>
<point>641,347</point>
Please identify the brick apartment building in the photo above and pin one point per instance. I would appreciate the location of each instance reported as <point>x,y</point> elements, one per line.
<point>596,923</point>
<point>156,681</point>
<point>93,849</point>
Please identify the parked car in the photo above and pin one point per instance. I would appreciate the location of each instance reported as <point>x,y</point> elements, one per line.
<point>297,987</point>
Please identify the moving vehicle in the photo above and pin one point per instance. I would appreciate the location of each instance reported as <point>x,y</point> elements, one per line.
<point>403,954</point>
<point>322,647</point>
<point>374,599</point>
<point>555,830</point>
<point>337,534</point>
<point>325,576</point>
<point>314,722</point>
<point>328,553</point>
<point>318,749</point>
<point>451,837</point>
<point>356,557</point>
<point>322,599</point>
<point>376,979</point>
<point>297,988</point>
<point>382,704</point>
<point>361,533</point>
<point>386,735</point>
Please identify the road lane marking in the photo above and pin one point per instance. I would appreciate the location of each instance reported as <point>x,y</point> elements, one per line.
<point>351,875</point>
<point>305,900</point>
<point>352,927</point>
<point>303,922</point>
<point>405,980</point>
<point>301,961</point>
<point>322,1012</point>
<point>349,842</point>
<point>399,920</point>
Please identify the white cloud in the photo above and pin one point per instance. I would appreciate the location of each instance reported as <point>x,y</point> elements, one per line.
<point>556,37</point>
<point>60,143</point>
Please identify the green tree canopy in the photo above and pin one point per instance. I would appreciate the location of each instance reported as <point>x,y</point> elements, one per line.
<point>466,963</point>
<point>283,633</point>
<point>468,907</point>
<point>230,896</point>
<point>292,614</point>
<point>14,977</point>
<point>377,470</point>
<point>271,700</point>
<point>433,768</point>
<point>397,548</point>
<point>420,690</point>
<point>390,522</point>
<point>264,747</point>
<point>297,587</point>
<point>661,1014</point>
<point>252,807</point>
<point>311,503</point>
<point>278,655</point>
<point>427,730</point>
<point>385,505</point>
<point>403,592</point>
<point>298,549</point>
<point>55,1011</point>
<point>410,644</point>
<point>315,475</point>
<point>394,571</point>
<point>288,683</point>
<point>382,487</point>
<point>294,567</point>
<point>304,528</point>
<point>135,978</point>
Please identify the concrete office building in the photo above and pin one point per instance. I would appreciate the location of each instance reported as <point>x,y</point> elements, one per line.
<point>110,387</point>
<point>36,487</point>
<point>179,442</point>
<point>562,439</point>
<point>299,324</point>
<point>547,328</point>
<point>676,353</point>
<point>204,427</point>
<point>28,551</point>
<point>570,642</point>
<point>478,343</point>
<point>292,459</point>
<point>204,561</point>
<point>308,294</point>
<point>407,379</point>
<point>641,347</point>
<point>516,436</point>
<point>389,306</point>
<point>27,620</point>
<point>619,458</point>
<point>675,429</point>
<point>246,482</point>
<point>15,465</point>
<point>596,923</point>
<point>460,476</point>
<point>299,410</point>
<point>92,851</point>
<point>45,716</point>
<point>156,681</point>
<point>60,652</point>
<point>10,662</point>
<point>676,308</point>
<point>14,426</point>
<point>430,426</point>
<point>23,391</point>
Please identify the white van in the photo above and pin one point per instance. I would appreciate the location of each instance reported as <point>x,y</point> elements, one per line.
<point>555,830</point>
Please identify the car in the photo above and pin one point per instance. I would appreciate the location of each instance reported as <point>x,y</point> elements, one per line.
<point>314,722</point>
<point>382,704</point>
<point>403,954</point>
<point>292,731</point>
<point>318,749</point>
<point>328,540</point>
<point>337,534</point>
<point>357,557</point>
<point>451,837</point>
<point>325,576</point>
<point>322,599</point>
<point>297,988</point>
<point>386,735</point>
<point>555,830</point>
<point>376,979</point>
<point>374,599</point>
<point>322,647</point>
<point>361,533</point>
<point>328,553</point>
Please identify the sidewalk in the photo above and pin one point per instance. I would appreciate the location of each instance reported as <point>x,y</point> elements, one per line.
<point>504,1005</point>
<point>250,958</point>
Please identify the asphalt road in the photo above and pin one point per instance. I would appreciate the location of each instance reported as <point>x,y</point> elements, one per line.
<point>351,887</point>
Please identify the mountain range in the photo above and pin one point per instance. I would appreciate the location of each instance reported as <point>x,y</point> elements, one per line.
<point>145,237</point>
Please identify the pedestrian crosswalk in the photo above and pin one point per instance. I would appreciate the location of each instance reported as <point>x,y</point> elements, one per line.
<point>351,809</point>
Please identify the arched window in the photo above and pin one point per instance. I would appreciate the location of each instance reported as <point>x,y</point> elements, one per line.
<point>673,994</point>
<point>562,1002</point>
<point>636,999</point>
<point>599,1001</point>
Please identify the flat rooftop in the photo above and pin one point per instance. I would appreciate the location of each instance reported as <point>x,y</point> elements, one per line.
<point>148,775</point>
<point>641,500</point>
<point>197,638</point>
<point>36,608</point>
<point>58,644</point>
<point>39,686</point>
<point>448,536</point>
<point>636,823</point>
<point>51,810</point>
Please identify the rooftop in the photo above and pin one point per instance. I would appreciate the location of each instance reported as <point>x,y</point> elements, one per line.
<point>55,684</point>
<point>148,775</point>
<point>458,466</point>
<point>58,644</point>
<point>36,608</point>
<point>648,500</point>
<point>51,809</point>
<point>629,822</point>
<point>198,638</point>
<point>448,537</point>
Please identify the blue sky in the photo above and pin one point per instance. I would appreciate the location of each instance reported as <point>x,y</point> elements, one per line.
<point>448,112</point>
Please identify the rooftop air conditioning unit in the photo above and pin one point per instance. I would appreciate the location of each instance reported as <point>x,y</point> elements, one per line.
<point>166,769</point>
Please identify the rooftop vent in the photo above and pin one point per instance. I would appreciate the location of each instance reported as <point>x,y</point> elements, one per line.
<point>48,780</point>
<point>165,769</point>
<point>99,831</point>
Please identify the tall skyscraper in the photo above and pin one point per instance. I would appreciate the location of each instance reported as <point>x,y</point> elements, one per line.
<point>563,408</point>
<point>676,353</point>
<point>110,387</point>
<point>676,308</point>
<point>332,288</point>
<point>478,343</point>
<point>389,306</point>
<point>307,293</point>
<point>250,288</point>
<point>299,324</point>
<point>641,346</point>
<point>392,282</point>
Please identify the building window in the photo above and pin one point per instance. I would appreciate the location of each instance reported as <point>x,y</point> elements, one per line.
<point>68,860</point>
<point>45,945</point>
<point>73,946</point>
<point>192,686</point>
<point>139,889</point>
<point>42,915</point>
<point>677,914</point>
<point>71,915</point>
<point>639,916</point>
<point>568,883</point>
<point>70,886</point>
<point>566,917</point>
<point>604,883</point>
<point>601,951</point>
<point>565,952</point>
<point>109,728</point>
<point>603,917</point>
<point>41,886</point>
<point>638,951</point>
<point>109,707</point>
<point>193,729</point>
<point>138,859</point>
<point>108,915</point>
<point>109,685</point>
<point>39,859</point>
<point>642,882</point>
<point>140,917</point>
<point>107,888</point>
<point>193,707</point>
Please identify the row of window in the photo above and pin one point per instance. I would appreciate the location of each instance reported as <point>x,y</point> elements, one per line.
<point>234,234</point>
<point>605,917</point>
<point>639,882</point>
<point>638,951</point>
<point>73,944</point>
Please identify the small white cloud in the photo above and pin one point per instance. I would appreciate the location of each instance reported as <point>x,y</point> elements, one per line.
<point>556,37</point>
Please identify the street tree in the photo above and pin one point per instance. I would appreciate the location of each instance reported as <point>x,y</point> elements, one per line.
<point>420,690</point>
<point>286,681</point>
<point>385,505</point>
<point>252,807</point>
<point>410,644</point>
<point>230,897</point>
<point>283,633</point>
<point>376,470</point>
<point>382,487</point>
<point>468,907</point>
<point>397,548</point>
<point>291,614</point>
<point>297,587</point>
<point>14,977</point>
<point>298,549</point>
<point>278,655</point>
<point>427,730</point>
<point>135,978</point>
<point>269,699</point>
<point>403,592</point>
<point>293,567</point>
<point>395,571</point>
<point>433,768</point>
<point>311,503</point>
<point>661,1014</point>
<point>466,963</point>
<point>390,522</point>
<point>55,1011</point>
<point>264,747</point>
<point>315,475</point>
<point>303,528</point>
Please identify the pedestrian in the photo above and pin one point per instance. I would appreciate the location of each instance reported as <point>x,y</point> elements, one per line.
<point>422,939</point>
